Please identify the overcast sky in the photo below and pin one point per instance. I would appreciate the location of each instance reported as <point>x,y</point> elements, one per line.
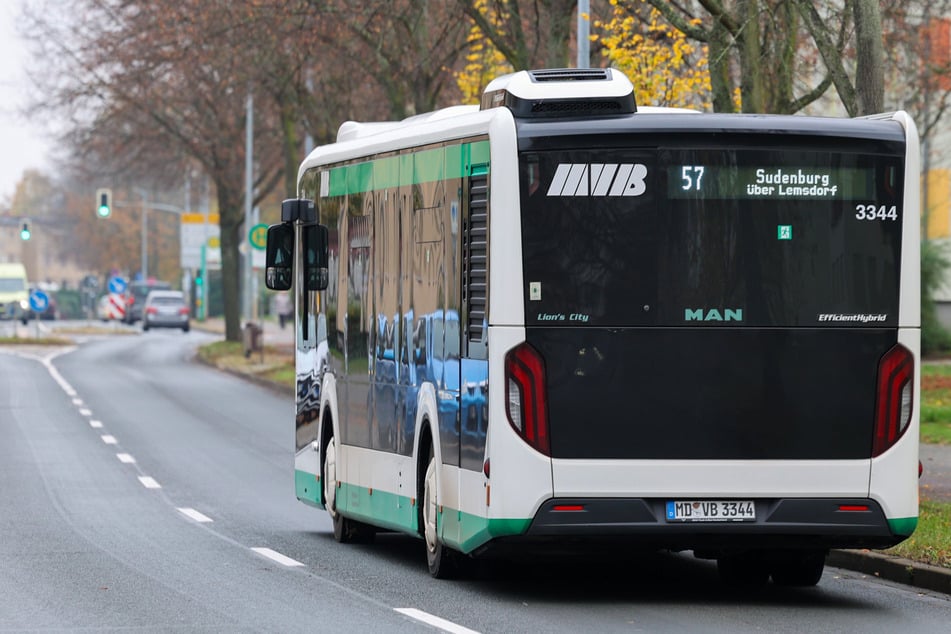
<point>22,144</point>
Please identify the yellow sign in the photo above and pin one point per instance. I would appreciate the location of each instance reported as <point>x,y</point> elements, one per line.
<point>214,242</point>
<point>197,219</point>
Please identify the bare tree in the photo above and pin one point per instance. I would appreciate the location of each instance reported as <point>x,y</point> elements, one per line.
<point>754,48</point>
<point>408,47</point>
<point>145,75</point>
<point>529,33</point>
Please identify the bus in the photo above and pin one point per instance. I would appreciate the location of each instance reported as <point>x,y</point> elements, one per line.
<point>561,319</point>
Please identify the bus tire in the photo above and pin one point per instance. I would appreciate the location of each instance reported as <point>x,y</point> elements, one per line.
<point>442,561</point>
<point>346,531</point>
<point>798,568</point>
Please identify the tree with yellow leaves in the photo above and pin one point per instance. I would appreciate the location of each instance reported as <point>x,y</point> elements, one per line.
<point>484,62</point>
<point>664,66</point>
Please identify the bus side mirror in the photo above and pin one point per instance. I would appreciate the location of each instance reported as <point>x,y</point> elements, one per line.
<point>316,241</point>
<point>279,261</point>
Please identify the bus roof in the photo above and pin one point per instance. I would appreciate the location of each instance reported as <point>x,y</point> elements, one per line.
<point>662,122</point>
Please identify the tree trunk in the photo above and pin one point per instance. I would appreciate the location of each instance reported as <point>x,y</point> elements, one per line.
<point>720,82</point>
<point>561,17</point>
<point>291,145</point>
<point>232,221</point>
<point>870,53</point>
<point>751,58</point>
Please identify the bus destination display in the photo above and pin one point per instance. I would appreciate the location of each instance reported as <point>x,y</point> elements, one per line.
<point>773,182</point>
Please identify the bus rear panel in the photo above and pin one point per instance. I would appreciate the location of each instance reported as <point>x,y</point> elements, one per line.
<point>717,316</point>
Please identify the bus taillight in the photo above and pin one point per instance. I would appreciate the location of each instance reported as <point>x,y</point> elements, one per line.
<point>525,401</point>
<point>896,373</point>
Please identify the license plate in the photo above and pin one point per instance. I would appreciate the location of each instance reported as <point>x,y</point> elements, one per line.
<point>711,511</point>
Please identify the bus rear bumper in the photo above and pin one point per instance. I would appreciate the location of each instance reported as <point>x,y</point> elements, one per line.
<point>779,523</point>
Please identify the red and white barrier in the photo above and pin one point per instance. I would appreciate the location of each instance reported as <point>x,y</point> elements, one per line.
<point>115,307</point>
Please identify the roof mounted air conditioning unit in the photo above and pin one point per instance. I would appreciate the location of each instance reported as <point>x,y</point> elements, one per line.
<point>562,92</point>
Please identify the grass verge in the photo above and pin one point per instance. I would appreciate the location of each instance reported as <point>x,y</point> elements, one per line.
<point>39,341</point>
<point>936,403</point>
<point>272,363</point>
<point>931,541</point>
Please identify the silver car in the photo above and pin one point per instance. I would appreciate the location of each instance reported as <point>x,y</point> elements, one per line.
<point>165,309</point>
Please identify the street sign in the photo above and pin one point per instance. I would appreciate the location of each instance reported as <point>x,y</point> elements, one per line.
<point>258,236</point>
<point>117,285</point>
<point>196,230</point>
<point>39,301</point>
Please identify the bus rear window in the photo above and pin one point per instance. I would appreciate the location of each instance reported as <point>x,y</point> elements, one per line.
<point>713,236</point>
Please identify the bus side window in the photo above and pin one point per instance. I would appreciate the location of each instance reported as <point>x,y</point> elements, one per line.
<point>279,257</point>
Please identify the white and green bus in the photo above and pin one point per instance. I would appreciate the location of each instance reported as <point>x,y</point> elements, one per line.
<point>560,319</point>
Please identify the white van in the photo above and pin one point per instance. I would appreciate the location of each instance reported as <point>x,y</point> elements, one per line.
<point>14,292</point>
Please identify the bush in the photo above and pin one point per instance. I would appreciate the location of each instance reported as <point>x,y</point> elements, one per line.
<point>70,304</point>
<point>935,337</point>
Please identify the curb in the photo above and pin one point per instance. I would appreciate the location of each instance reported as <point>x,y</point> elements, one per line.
<point>904,571</point>
<point>250,377</point>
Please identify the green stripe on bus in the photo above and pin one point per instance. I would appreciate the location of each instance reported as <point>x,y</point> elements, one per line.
<point>479,152</point>
<point>426,166</point>
<point>307,486</point>
<point>467,532</point>
<point>380,508</point>
<point>462,531</point>
<point>903,525</point>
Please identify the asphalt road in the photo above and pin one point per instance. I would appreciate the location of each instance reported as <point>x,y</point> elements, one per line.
<point>116,453</point>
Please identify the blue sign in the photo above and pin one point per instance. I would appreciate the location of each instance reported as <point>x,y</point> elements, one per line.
<point>117,285</point>
<point>39,301</point>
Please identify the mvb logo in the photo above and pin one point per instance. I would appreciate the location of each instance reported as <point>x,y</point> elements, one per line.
<point>599,179</point>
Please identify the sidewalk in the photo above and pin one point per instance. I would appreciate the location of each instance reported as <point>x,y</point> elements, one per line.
<point>935,482</point>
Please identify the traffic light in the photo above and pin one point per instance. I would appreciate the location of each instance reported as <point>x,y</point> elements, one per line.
<point>25,232</point>
<point>103,202</point>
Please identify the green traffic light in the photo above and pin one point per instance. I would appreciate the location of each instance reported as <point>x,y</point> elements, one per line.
<point>25,232</point>
<point>103,202</point>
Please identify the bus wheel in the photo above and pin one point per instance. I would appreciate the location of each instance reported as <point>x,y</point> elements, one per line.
<point>798,568</point>
<point>345,530</point>
<point>743,569</point>
<point>441,559</point>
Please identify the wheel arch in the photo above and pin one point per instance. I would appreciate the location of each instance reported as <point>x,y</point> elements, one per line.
<point>328,425</point>
<point>427,438</point>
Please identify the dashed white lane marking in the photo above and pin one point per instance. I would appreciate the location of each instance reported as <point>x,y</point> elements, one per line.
<point>149,483</point>
<point>435,621</point>
<point>278,557</point>
<point>195,515</point>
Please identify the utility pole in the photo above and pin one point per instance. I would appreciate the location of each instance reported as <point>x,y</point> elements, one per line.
<point>145,232</point>
<point>584,30</point>
<point>248,195</point>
